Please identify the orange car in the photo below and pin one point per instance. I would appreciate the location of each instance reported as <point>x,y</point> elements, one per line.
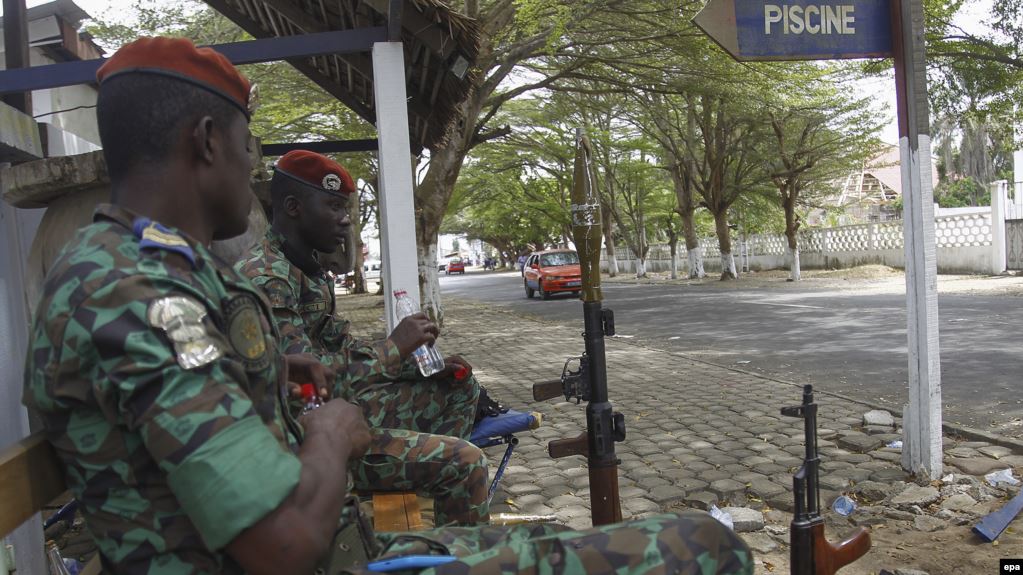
<point>552,271</point>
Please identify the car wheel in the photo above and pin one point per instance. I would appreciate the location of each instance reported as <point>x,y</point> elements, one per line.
<point>529,290</point>
<point>543,294</point>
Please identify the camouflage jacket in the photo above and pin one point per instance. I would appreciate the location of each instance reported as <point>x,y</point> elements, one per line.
<point>158,380</point>
<point>303,307</point>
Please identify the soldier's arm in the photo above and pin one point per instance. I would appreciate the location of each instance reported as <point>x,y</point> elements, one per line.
<point>358,363</point>
<point>179,381</point>
<point>295,535</point>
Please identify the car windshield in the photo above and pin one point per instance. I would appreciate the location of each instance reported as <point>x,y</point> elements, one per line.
<point>559,259</point>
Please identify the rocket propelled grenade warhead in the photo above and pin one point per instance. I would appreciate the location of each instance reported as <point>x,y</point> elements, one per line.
<point>586,228</point>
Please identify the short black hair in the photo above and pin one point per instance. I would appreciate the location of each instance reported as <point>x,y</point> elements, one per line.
<point>141,114</point>
<point>282,186</point>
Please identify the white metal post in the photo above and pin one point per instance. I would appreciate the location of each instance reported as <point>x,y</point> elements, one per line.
<point>16,230</point>
<point>400,267</point>
<point>999,203</point>
<point>922,423</point>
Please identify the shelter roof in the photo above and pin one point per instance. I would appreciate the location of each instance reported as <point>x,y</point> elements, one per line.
<point>441,47</point>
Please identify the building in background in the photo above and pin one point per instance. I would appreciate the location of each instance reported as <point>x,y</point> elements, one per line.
<point>67,115</point>
<point>871,194</point>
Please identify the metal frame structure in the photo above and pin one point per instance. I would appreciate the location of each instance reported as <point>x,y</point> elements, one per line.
<point>326,41</point>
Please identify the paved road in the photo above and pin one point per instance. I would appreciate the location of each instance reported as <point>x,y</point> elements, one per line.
<point>840,341</point>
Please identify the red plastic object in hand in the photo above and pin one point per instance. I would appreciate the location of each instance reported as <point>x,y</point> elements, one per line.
<point>461,373</point>
<point>308,391</point>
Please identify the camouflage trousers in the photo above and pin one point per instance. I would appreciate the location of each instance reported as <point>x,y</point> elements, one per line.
<point>690,543</point>
<point>419,430</point>
<point>442,407</point>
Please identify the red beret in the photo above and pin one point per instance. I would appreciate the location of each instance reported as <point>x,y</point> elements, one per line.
<point>179,58</point>
<point>317,171</point>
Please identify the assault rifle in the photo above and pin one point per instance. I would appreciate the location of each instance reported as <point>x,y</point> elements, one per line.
<point>588,381</point>
<point>810,553</point>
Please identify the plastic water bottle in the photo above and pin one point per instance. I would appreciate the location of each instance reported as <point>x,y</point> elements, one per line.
<point>427,357</point>
<point>844,506</point>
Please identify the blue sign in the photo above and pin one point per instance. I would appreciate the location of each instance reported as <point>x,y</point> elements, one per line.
<point>799,29</point>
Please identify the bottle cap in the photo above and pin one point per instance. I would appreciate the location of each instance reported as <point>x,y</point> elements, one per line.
<point>308,391</point>
<point>460,373</point>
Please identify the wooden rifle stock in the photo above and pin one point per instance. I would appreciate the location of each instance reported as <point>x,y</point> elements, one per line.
<point>830,558</point>
<point>545,390</point>
<point>605,507</point>
<point>578,445</point>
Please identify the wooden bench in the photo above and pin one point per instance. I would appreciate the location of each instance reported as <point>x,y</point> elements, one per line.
<point>396,512</point>
<point>31,476</point>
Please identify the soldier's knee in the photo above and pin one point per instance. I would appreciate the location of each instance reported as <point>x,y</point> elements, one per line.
<point>733,555</point>
<point>465,454</point>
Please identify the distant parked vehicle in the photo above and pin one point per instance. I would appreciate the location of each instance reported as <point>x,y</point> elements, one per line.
<point>371,270</point>
<point>455,266</point>
<point>552,271</point>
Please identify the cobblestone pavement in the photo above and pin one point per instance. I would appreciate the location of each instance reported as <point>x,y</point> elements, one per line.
<point>698,435</point>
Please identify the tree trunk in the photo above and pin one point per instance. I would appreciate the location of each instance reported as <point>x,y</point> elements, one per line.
<point>789,195</point>
<point>673,245</point>
<point>358,259</point>
<point>725,244</point>
<point>432,196</point>
<point>641,267</point>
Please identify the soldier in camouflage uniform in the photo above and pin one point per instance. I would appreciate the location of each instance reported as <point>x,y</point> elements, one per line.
<point>157,375</point>
<point>309,194</point>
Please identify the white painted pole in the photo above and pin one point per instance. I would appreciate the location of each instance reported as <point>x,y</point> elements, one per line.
<point>999,203</point>
<point>1017,180</point>
<point>400,267</point>
<point>16,230</point>
<point>922,425</point>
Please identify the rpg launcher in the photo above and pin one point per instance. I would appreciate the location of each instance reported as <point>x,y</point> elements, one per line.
<point>810,553</point>
<point>585,378</point>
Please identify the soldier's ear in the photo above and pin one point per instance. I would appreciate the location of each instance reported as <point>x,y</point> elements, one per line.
<point>292,206</point>
<point>202,139</point>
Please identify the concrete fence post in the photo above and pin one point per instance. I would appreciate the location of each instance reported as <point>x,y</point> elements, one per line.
<point>999,200</point>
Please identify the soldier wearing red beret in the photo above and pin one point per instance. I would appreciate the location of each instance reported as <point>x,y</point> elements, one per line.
<point>156,373</point>
<point>309,194</point>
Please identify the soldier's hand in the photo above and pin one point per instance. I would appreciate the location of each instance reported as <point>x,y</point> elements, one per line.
<point>412,332</point>
<point>344,421</point>
<point>306,368</point>
<point>455,368</point>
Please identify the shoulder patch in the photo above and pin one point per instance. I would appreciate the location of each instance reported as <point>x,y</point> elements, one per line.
<point>154,235</point>
<point>245,332</point>
<point>181,318</point>
<point>278,292</point>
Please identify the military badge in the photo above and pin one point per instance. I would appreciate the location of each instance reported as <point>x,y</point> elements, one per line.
<point>332,182</point>
<point>245,332</point>
<point>181,318</point>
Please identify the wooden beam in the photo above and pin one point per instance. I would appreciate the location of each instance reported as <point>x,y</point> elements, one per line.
<point>16,51</point>
<point>302,65</point>
<point>30,477</point>
<point>426,31</point>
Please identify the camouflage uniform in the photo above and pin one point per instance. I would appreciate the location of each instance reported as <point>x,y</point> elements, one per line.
<point>424,421</point>
<point>157,377</point>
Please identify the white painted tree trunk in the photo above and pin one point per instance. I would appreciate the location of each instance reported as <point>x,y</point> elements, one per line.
<point>674,267</point>
<point>728,266</point>
<point>641,268</point>
<point>794,265</point>
<point>429,282</point>
<point>696,263</point>
<point>612,264</point>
